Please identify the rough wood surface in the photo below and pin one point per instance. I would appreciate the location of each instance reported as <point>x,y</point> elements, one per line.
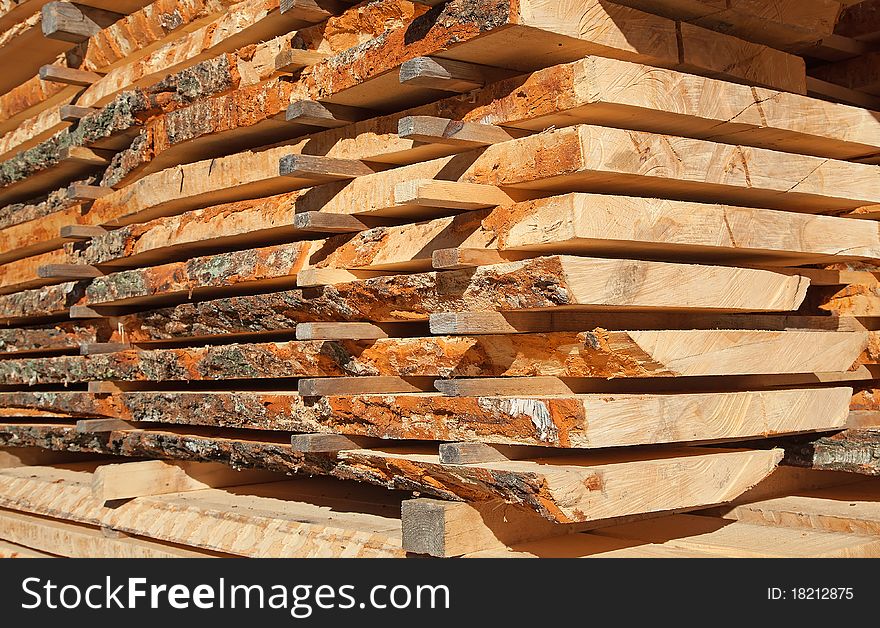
<point>850,508</point>
<point>298,518</point>
<point>587,354</point>
<point>854,451</point>
<point>582,421</point>
<point>52,301</point>
<point>77,541</point>
<point>581,488</point>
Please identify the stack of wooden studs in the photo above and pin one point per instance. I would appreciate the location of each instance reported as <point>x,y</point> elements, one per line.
<point>462,278</point>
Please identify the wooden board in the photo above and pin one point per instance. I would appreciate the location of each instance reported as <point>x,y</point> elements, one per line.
<point>587,354</point>
<point>562,490</point>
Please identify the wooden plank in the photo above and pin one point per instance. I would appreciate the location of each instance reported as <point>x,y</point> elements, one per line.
<point>82,232</point>
<point>450,194</point>
<point>83,192</point>
<point>75,23</point>
<point>87,156</point>
<point>453,132</point>
<point>92,426</point>
<point>75,113</point>
<point>325,443</point>
<point>851,451</point>
<point>339,331</point>
<point>104,388</point>
<point>313,166</point>
<point>307,517</point>
<point>736,539</point>
<point>68,76</point>
<point>159,477</point>
<point>584,421</point>
<point>11,550</point>
<point>616,473</point>
<point>851,508</point>
<point>328,223</point>
<point>569,355</point>
<point>553,419</point>
<point>295,59</point>
<point>446,529</point>
<point>469,453</point>
<point>480,323</point>
<point>325,115</point>
<point>456,259</point>
<point>494,386</point>
<point>445,74</point>
<point>97,348</point>
<point>329,276</point>
<point>83,312</point>
<point>15,457</point>
<point>78,541</point>
<point>320,387</point>
<point>561,489</point>
<point>68,271</point>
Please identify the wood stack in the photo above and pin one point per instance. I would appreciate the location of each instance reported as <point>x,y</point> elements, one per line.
<point>508,278</point>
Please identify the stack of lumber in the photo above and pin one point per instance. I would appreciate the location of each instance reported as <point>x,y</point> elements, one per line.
<point>508,278</point>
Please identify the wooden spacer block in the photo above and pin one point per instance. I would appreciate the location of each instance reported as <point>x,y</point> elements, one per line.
<point>82,232</point>
<point>105,388</point>
<point>311,277</point>
<point>469,453</point>
<point>83,192</point>
<point>89,426</point>
<point>436,130</point>
<point>314,11</point>
<point>339,331</point>
<point>502,386</point>
<point>68,271</point>
<point>74,23</point>
<point>445,74</point>
<point>459,258</point>
<point>323,222</point>
<point>313,166</point>
<point>86,156</point>
<point>489,323</point>
<point>128,480</point>
<point>75,113</point>
<point>449,194</point>
<point>332,386</point>
<point>68,76</point>
<point>325,115</point>
<point>294,59</point>
<point>445,529</point>
<point>326,443</point>
<point>84,311</point>
<point>97,348</point>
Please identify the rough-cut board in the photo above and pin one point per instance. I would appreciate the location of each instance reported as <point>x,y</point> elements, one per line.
<point>559,281</point>
<point>272,267</point>
<point>736,539</point>
<point>689,536</point>
<point>595,224</point>
<point>157,477</point>
<point>851,508</point>
<point>585,421</point>
<point>78,541</point>
<point>301,518</point>
<point>50,302</point>
<point>783,24</point>
<point>580,95</point>
<point>571,489</point>
<point>588,354</point>
<point>853,450</point>
<point>65,336</point>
